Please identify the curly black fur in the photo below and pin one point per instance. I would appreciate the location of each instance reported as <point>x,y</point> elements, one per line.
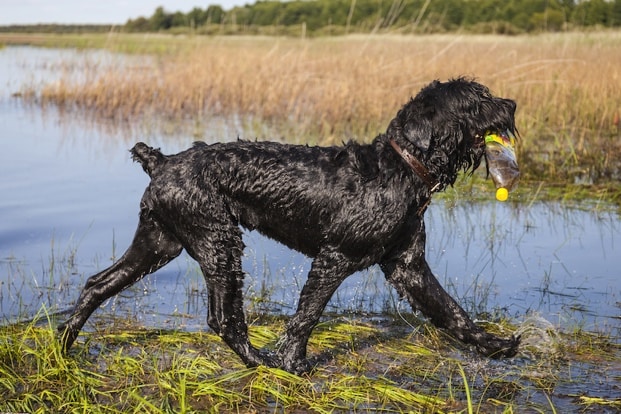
<point>347,207</point>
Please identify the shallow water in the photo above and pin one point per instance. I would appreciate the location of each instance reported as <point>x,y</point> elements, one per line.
<point>69,205</point>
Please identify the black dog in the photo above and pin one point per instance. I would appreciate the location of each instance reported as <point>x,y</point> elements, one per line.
<point>347,207</point>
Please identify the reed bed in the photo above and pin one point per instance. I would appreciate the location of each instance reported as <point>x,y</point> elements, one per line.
<point>327,90</point>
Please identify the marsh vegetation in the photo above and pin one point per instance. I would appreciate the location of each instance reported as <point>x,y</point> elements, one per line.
<point>372,367</point>
<point>331,89</point>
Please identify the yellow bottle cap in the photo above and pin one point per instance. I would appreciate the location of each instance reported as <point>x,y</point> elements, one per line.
<point>502,194</point>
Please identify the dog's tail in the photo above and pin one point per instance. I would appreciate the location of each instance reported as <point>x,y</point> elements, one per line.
<point>150,158</point>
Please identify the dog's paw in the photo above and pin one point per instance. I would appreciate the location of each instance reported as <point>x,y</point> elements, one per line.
<point>65,336</point>
<point>269,359</point>
<point>497,348</point>
<point>296,364</point>
<point>298,367</point>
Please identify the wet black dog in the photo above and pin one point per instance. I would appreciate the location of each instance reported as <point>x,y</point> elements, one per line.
<point>347,207</point>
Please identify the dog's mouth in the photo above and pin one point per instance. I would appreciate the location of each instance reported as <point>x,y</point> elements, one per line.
<point>501,162</point>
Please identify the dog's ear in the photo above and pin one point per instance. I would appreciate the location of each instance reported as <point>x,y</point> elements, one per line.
<point>418,131</point>
<point>413,124</point>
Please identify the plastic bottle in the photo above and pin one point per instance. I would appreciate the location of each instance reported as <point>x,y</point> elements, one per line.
<point>501,162</point>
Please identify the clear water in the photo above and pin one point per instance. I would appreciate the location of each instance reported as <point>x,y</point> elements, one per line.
<point>69,197</point>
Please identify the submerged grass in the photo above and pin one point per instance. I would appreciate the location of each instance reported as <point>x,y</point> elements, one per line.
<point>365,367</point>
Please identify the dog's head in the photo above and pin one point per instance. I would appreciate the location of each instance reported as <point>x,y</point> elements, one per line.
<point>445,125</point>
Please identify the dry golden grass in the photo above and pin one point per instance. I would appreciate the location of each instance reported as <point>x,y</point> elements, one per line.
<point>568,88</point>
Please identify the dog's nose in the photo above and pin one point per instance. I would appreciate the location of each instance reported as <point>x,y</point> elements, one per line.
<point>502,163</point>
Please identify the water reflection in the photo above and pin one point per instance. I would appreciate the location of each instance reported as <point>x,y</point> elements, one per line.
<point>540,257</point>
<point>70,203</point>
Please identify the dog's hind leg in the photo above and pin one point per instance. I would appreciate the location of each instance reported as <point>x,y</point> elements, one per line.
<point>328,271</point>
<point>151,249</point>
<point>410,274</point>
<point>218,251</point>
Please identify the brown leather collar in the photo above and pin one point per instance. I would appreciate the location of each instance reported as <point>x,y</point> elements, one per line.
<point>417,166</point>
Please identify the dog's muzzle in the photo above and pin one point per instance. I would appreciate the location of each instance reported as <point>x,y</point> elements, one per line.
<point>501,162</point>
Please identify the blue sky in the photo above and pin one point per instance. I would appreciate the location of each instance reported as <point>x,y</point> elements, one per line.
<point>95,11</point>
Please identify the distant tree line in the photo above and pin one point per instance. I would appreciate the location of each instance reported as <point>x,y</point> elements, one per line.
<point>55,28</point>
<point>505,16</point>
<point>345,16</point>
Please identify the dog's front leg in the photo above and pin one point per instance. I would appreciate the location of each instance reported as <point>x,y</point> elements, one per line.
<point>409,273</point>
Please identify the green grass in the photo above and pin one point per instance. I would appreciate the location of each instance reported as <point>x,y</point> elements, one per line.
<point>604,197</point>
<point>366,368</point>
<point>126,43</point>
